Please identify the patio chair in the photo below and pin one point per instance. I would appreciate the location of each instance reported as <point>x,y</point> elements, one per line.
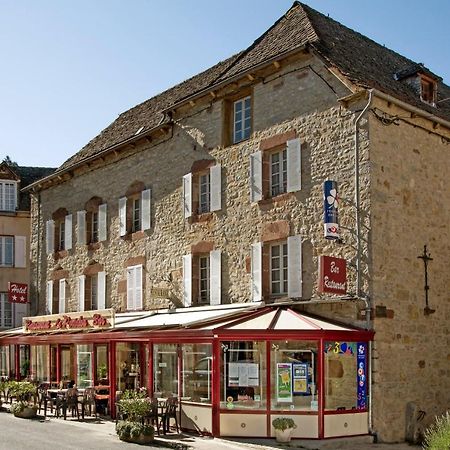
<point>88,402</point>
<point>170,411</point>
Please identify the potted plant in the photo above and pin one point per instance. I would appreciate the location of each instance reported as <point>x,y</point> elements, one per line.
<point>25,394</point>
<point>284,426</point>
<point>133,408</point>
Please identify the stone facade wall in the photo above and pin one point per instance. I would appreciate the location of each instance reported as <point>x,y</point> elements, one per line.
<point>410,208</point>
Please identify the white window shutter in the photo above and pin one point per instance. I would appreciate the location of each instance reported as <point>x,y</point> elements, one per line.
<point>68,232</point>
<point>187,195</point>
<point>130,288</point>
<point>123,216</point>
<point>294,266</point>
<point>20,252</point>
<point>257,272</point>
<point>50,297</point>
<point>102,211</point>
<point>146,209</point>
<point>62,296</point>
<point>215,278</point>
<point>215,176</point>
<point>256,177</point>
<point>50,234</point>
<point>81,280</point>
<point>187,280</point>
<point>101,293</point>
<point>138,288</point>
<point>81,232</point>
<point>294,166</point>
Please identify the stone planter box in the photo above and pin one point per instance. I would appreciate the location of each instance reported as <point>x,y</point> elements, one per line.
<point>141,439</point>
<point>28,412</point>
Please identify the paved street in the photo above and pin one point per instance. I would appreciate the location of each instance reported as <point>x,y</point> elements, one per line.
<point>57,434</point>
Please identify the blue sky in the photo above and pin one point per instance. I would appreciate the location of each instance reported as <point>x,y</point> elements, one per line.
<point>70,67</point>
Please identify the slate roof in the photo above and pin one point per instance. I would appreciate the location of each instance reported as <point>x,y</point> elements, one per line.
<point>27,176</point>
<point>363,61</point>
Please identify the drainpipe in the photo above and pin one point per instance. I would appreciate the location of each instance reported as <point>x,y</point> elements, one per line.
<point>38,251</point>
<point>359,293</point>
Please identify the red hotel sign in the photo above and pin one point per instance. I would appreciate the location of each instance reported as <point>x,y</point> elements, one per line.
<point>79,321</point>
<point>17,292</point>
<point>332,275</point>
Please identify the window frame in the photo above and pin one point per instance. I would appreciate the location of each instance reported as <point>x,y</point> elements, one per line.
<point>204,276</point>
<point>91,286</point>
<point>136,214</point>
<point>3,246</point>
<point>3,302</point>
<point>282,172</point>
<point>204,198</point>
<point>428,89</point>
<point>245,131</point>
<point>128,303</point>
<point>283,268</point>
<point>7,197</point>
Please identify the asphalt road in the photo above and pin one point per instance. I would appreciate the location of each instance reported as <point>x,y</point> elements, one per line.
<point>55,434</point>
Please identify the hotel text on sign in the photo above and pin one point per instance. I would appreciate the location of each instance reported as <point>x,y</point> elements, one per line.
<point>332,275</point>
<point>17,292</point>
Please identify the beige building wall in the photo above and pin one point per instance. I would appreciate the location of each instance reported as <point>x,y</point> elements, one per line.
<point>410,208</point>
<point>16,224</point>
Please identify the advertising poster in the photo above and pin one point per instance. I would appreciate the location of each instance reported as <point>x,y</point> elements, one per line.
<point>362,375</point>
<point>243,374</point>
<point>284,382</point>
<point>300,375</point>
<point>330,210</point>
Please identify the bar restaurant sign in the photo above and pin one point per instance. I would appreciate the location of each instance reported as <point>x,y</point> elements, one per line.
<point>74,321</point>
<point>332,275</point>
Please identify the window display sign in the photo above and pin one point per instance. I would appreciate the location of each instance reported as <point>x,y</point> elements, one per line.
<point>300,376</point>
<point>284,382</point>
<point>243,374</point>
<point>361,375</point>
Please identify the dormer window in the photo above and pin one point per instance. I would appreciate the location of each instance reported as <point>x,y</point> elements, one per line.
<point>8,195</point>
<point>428,90</point>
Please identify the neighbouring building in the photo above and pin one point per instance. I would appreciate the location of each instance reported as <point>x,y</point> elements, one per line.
<point>181,246</point>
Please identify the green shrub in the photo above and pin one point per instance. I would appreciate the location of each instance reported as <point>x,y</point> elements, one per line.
<point>283,423</point>
<point>131,430</point>
<point>22,390</point>
<point>135,408</point>
<point>437,436</point>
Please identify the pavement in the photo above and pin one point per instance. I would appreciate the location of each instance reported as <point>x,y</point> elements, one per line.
<point>186,441</point>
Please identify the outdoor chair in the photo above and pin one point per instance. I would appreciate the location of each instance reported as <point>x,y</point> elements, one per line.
<point>44,399</point>
<point>88,402</point>
<point>170,411</point>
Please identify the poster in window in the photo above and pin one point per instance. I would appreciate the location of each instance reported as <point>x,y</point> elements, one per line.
<point>361,375</point>
<point>300,376</point>
<point>284,382</point>
<point>243,374</point>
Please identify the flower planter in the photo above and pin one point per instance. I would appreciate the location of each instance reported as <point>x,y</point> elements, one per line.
<point>27,413</point>
<point>284,435</point>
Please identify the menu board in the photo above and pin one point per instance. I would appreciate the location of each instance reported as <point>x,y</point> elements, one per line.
<point>243,374</point>
<point>300,376</point>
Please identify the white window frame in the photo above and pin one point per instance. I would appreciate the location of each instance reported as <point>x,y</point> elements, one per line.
<point>204,197</point>
<point>204,275</point>
<point>240,131</point>
<point>283,269</point>
<point>3,303</point>
<point>3,245</point>
<point>61,244</point>
<point>281,174</point>
<point>8,200</point>
<point>136,215</point>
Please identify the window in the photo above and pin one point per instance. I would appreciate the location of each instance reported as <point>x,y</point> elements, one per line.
<point>59,231</point>
<point>61,236</point>
<point>91,291</point>
<point>134,288</point>
<point>202,278</point>
<point>242,119</point>
<point>6,317</point>
<point>92,222</point>
<point>428,90</point>
<point>275,171</point>
<point>8,196</point>
<point>136,224</point>
<point>135,210</point>
<point>276,269</point>
<point>278,173</point>
<point>279,269</point>
<point>56,296</point>
<point>6,251</point>
<point>202,191</point>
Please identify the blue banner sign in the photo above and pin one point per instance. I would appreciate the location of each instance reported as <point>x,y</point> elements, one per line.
<point>362,375</point>
<point>330,206</point>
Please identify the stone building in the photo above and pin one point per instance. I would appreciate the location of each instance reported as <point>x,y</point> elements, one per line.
<point>15,228</point>
<point>211,193</point>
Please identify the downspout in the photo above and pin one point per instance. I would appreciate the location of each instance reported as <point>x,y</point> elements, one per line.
<point>38,251</point>
<point>359,293</point>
